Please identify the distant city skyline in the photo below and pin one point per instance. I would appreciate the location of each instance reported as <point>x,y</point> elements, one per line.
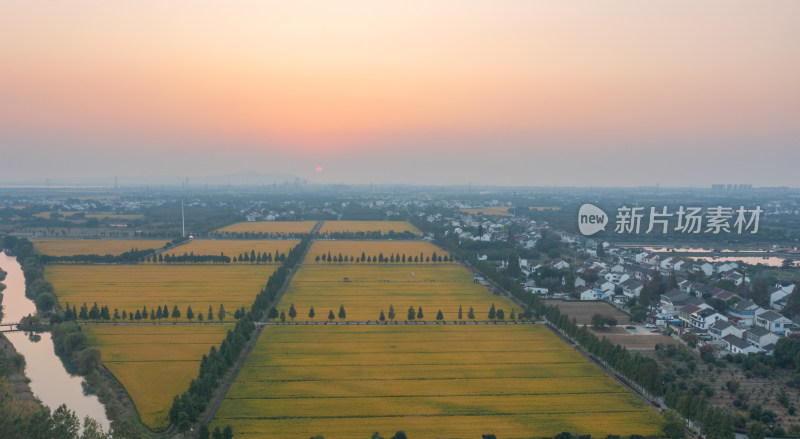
<point>444,92</point>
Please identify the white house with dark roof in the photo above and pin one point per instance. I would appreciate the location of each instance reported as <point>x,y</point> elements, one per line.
<point>585,293</point>
<point>733,276</point>
<point>722,328</point>
<point>631,288</point>
<point>671,263</point>
<point>703,319</point>
<point>760,337</point>
<point>705,267</point>
<point>772,321</point>
<point>744,312</point>
<point>738,345</point>
<point>777,295</point>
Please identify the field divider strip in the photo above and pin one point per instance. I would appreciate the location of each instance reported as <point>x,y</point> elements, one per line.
<point>439,415</point>
<point>230,376</point>
<point>476,395</point>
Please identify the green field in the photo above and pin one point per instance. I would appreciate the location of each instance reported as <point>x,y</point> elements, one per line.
<point>368,289</point>
<point>130,287</point>
<point>154,362</point>
<point>432,382</point>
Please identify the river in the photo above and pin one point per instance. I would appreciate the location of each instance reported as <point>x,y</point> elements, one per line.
<point>50,382</point>
<point>715,256</point>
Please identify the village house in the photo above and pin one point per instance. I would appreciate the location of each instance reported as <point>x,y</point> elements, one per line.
<point>772,321</point>
<point>734,276</point>
<point>738,345</point>
<point>743,312</point>
<point>631,288</point>
<point>703,319</point>
<point>722,328</point>
<point>760,337</point>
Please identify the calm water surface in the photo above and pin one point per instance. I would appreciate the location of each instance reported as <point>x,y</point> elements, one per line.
<point>50,382</point>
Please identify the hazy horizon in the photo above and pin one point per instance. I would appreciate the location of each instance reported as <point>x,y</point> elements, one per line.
<point>508,93</point>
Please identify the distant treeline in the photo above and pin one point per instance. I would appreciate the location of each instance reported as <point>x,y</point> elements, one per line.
<point>129,257</point>
<point>371,235</point>
<point>187,407</point>
<point>381,259</point>
<point>257,235</point>
<point>191,258</point>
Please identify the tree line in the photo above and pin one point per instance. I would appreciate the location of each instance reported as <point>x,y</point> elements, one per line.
<point>103,313</point>
<point>381,259</point>
<point>187,407</point>
<point>191,258</point>
<point>372,236</point>
<point>257,235</point>
<point>129,257</point>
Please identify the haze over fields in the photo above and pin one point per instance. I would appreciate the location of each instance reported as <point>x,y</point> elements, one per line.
<point>616,93</point>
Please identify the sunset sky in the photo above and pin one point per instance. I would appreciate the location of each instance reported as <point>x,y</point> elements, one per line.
<point>506,92</point>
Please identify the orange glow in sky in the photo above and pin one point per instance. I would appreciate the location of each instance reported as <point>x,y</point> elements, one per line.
<point>324,77</point>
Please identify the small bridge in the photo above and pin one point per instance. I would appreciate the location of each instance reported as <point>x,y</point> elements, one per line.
<point>9,327</point>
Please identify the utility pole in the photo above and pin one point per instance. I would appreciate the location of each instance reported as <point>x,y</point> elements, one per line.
<point>183,222</point>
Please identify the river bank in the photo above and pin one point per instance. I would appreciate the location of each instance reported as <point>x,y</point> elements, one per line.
<point>18,380</point>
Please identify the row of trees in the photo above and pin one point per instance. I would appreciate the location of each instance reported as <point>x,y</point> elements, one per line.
<point>381,259</point>
<point>102,313</point>
<point>191,258</point>
<point>129,257</point>
<point>256,235</point>
<point>187,407</point>
<point>374,235</point>
<point>494,314</point>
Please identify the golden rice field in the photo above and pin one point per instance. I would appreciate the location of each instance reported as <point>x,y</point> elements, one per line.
<point>276,227</point>
<point>154,362</point>
<point>369,289</point>
<point>232,247</point>
<point>130,287</point>
<point>489,210</point>
<point>48,215</point>
<point>432,382</point>
<point>70,247</point>
<point>368,226</point>
<point>371,249</point>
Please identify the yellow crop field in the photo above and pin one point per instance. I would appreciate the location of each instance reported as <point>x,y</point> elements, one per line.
<point>154,362</point>
<point>70,247</point>
<point>371,250</point>
<point>365,290</point>
<point>270,227</point>
<point>368,226</point>
<point>489,210</point>
<point>48,215</point>
<point>450,381</point>
<point>131,287</point>
<point>232,247</point>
